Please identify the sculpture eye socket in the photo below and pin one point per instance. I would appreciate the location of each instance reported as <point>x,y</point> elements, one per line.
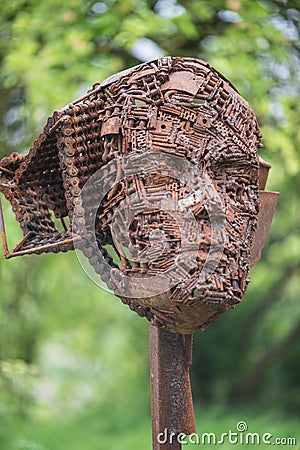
<point>224,153</point>
<point>234,176</point>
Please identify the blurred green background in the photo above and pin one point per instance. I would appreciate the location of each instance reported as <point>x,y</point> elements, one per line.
<point>73,359</point>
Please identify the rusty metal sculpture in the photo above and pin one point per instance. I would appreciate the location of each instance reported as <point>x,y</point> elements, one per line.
<point>181,188</point>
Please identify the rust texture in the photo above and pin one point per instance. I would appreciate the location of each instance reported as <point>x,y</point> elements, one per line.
<point>268,202</point>
<point>172,405</point>
<point>175,106</point>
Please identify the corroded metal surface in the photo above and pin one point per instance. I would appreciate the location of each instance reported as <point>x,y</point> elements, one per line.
<point>268,202</point>
<point>173,106</point>
<point>172,405</point>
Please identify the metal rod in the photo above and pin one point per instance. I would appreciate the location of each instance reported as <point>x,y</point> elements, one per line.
<point>171,396</point>
<point>87,95</point>
<point>64,224</point>
<point>29,251</point>
<point>3,169</point>
<point>22,241</point>
<point>56,125</point>
<point>3,234</point>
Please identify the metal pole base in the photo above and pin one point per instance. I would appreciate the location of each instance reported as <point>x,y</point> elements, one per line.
<point>171,395</point>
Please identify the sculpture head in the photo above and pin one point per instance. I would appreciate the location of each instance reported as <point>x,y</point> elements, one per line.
<point>158,166</point>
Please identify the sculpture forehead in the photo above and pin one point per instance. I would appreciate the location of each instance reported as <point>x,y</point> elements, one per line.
<point>192,76</point>
<point>184,99</point>
<point>166,65</point>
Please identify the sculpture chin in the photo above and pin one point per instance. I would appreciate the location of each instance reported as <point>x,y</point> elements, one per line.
<point>191,304</point>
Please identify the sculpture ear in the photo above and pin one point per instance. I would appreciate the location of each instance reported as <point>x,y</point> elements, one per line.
<point>268,202</point>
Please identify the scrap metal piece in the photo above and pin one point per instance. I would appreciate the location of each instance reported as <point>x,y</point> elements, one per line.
<point>263,173</point>
<point>268,203</point>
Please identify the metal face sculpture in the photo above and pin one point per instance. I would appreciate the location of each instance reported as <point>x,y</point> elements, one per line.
<point>158,169</point>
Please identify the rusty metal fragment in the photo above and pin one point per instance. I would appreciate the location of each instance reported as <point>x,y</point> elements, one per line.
<point>263,173</point>
<point>268,203</point>
<point>172,106</point>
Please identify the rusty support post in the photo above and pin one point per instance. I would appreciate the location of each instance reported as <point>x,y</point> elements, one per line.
<point>2,230</point>
<point>171,395</point>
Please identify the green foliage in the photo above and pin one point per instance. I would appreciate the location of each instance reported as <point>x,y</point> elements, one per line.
<point>73,360</point>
